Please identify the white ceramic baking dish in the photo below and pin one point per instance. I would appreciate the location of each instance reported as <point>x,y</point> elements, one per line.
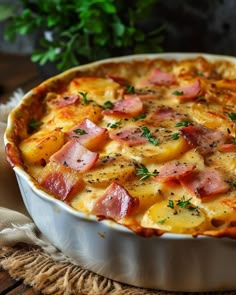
<point>171,262</point>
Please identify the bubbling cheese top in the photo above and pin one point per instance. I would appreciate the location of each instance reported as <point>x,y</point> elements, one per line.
<point>150,145</point>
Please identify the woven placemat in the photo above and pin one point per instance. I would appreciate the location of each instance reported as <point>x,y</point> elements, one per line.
<point>44,274</point>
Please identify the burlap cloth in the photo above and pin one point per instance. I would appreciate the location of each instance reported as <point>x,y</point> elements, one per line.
<point>26,254</point>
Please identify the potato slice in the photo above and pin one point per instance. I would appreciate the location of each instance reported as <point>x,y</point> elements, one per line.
<point>193,157</point>
<point>211,116</point>
<point>72,115</point>
<point>167,151</point>
<point>177,219</point>
<point>99,89</point>
<point>148,192</point>
<point>109,169</point>
<point>41,145</point>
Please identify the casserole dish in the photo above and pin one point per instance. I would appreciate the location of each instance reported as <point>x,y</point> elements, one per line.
<point>202,260</point>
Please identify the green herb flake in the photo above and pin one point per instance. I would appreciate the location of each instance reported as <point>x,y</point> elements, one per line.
<point>175,136</point>
<point>108,105</point>
<point>234,183</point>
<point>142,116</point>
<point>182,203</point>
<point>184,123</point>
<point>200,74</point>
<point>177,92</point>
<point>171,204</point>
<point>80,131</point>
<point>115,125</point>
<point>147,134</point>
<point>142,170</point>
<point>33,124</point>
<point>130,89</point>
<point>232,116</point>
<point>85,98</point>
<point>162,221</point>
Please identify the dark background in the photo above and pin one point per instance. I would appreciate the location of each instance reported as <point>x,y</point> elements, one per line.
<point>190,26</point>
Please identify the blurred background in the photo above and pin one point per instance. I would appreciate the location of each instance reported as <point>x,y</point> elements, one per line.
<point>39,38</point>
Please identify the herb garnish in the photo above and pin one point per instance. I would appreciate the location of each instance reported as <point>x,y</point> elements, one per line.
<point>147,134</point>
<point>184,123</point>
<point>175,136</point>
<point>171,204</point>
<point>162,221</point>
<point>33,124</point>
<point>200,74</point>
<point>177,92</point>
<point>234,183</point>
<point>80,131</point>
<point>142,116</point>
<point>232,116</point>
<point>130,89</point>
<point>182,203</point>
<point>114,125</point>
<point>108,105</point>
<point>85,98</point>
<point>142,170</point>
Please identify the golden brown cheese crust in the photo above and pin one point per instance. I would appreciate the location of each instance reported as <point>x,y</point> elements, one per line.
<point>175,179</point>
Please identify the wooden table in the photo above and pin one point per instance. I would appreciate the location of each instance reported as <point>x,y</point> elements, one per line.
<point>16,71</point>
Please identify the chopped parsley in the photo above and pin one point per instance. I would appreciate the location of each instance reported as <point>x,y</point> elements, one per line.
<point>184,123</point>
<point>232,116</point>
<point>234,183</point>
<point>142,170</point>
<point>200,74</point>
<point>115,125</point>
<point>142,116</point>
<point>162,221</point>
<point>130,89</point>
<point>80,131</point>
<point>108,105</point>
<point>171,204</point>
<point>85,98</point>
<point>177,92</point>
<point>175,136</point>
<point>147,134</point>
<point>33,124</point>
<point>182,203</point>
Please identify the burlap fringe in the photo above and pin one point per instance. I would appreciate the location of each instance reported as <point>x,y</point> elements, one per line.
<point>38,269</point>
<point>50,277</point>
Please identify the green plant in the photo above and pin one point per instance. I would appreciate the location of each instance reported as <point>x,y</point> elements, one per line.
<point>87,30</point>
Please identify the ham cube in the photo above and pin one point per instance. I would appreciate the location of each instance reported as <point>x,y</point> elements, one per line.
<point>115,204</point>
<point>75,156</point>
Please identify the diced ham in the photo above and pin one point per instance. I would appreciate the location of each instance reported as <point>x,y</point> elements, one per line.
<point>159,77</point>
<point>130,136</point>
<point>206,140</point>
<point>188,92</point>
<point>87,133</point>
<point>66,100</point>
<point>167,113</point>
<point>115,204</point>
<point>205,183</point>
<point>228,148</point>
<point>75,156</point>
<point>61,181</point>
<point>130,107</point>
<point>174,170</point>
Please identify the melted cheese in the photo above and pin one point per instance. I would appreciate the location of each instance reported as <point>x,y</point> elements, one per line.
<point>158,201</point>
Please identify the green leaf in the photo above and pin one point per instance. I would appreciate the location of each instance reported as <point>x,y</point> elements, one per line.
<point>232,116</point>
<point>6,11</point>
